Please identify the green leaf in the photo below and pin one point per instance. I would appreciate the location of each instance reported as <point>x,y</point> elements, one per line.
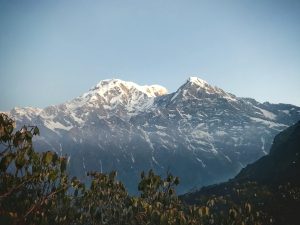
<point>16,138</point>
<point>52,175</point>
<point>20,161</point>
<point>36,131</point>
<point>47,158</point>
<point>171,192</point>
<point>28,136</point>
<point>63,164</point>
<point>163,219</point>
<point>54,158</point>
<point>5,161</point>
<point>112,175</point>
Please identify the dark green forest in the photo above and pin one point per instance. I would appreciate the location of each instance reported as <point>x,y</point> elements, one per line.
<point>35,188</point>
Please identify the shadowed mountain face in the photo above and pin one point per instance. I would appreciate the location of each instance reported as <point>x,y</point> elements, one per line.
<point>200,133</point>
<point>282,165</point>
<point>271,185</point>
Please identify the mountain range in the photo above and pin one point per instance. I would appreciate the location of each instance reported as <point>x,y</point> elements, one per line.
<point>200,132</point>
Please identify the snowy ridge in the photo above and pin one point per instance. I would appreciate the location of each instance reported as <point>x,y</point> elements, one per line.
<point>112,94</point>
<point>198,88</point>
<point>197,81</point>
<point>106,86</point>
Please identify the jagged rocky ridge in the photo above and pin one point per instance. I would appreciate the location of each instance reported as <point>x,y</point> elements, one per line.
<point>200,132</point>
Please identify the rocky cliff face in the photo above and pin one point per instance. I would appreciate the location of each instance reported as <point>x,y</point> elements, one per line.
<point>200,132</point>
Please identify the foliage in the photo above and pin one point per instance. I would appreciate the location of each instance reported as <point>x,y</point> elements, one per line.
<point>36,189</point>
<point>33,185</point>
<point>249,202</point>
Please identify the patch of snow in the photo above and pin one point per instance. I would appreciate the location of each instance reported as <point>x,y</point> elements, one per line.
<point>56,125</point>
<point>175,95</point>
<point>230,98</point>
<point>147,138</point>
<point>202,163</point>
<point>188,116</point>
<point>60,148</point>
<point>146,124</point>
<point>268,123</point>
<point>107,107</point>
<point>229,160</point>
<point>115,99</point>
<point>263,145</point>
<point>197,81</point>
<point>220,133</point>
<point>165,142</point>
<point>100,162</point>
<point>93,98</point>
<point>235,139</point>
<point>83,164</point>
<point>285,111</point>
<point>154,160</point>
<point>160,127</point>
<point>132,158</point>
<point>161,133</point>
<point>146,104</point>
<point>200,126</point>
<point>172,115</point>
<point>213,149</point>
<point>200,134</point>
<point>268,114</point>
<point>76,119</point>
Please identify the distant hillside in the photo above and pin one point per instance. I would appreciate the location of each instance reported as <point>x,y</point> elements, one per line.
<point>271,185</point>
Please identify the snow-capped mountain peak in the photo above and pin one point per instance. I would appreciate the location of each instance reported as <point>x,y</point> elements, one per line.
<point>26,111</point>
<point>200,85</point>
<point>197,81</point>
<point>117,86</point>
<point>116,97</point>
<point>197,88</point>
<point>155,90</point>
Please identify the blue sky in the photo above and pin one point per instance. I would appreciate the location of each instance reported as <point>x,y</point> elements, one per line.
<point>52,51</point>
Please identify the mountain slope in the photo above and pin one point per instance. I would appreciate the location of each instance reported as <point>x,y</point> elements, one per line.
<point>271,185</point>
<point>200,132</point>
<point>282,164</point>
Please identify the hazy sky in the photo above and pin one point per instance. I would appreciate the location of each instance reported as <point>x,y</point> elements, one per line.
<point>52,51</point>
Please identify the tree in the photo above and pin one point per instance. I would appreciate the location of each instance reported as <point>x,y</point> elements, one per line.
<point>33,185</point>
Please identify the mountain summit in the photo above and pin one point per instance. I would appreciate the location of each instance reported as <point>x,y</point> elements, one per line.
<point>117,86</point>
<point>200,133</point>
<point>197,81</point>
<point>197,88</point>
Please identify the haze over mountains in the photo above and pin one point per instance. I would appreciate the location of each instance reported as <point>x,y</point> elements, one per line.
<point>200,133</point>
